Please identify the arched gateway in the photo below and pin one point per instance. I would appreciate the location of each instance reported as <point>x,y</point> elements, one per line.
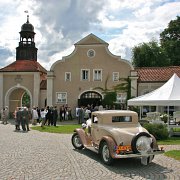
<point>14,97</point>
<point>89,98</point>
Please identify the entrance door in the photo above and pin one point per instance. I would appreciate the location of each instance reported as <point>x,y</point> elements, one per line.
<point>89,98</point>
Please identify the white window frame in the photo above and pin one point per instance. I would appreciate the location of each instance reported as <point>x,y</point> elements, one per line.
<point>96,76</point>
<point>66,74</point>
<point>61,97</point>
<point>115,76</point>
<point>88,75</point>
<point>121,97</point>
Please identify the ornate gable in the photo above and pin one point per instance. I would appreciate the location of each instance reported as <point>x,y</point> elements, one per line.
<point>91,39</point>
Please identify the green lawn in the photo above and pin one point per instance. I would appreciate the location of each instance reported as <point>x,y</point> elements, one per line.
<point>170,141</point>
<point>173,154</point>
<point>63,129</point>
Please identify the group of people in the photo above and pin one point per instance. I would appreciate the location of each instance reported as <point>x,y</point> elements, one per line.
<point>83,113</point>
<point>48,115</point>
<point>22,118</point>
<point>65,113</point>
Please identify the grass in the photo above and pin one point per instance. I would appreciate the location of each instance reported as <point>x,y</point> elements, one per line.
<point>176,129</point>
<point>170,141</point>
<point>63,129</point>
<point>173,154</point>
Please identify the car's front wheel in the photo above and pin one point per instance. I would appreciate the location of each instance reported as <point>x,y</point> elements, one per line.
<point>105,154</point>
<point>76,141</point>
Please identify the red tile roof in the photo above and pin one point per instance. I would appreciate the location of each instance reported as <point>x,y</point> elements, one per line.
<point>24,66</point>
<point>157,74</point>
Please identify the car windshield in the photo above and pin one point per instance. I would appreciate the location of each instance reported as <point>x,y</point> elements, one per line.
<point>121,119</point>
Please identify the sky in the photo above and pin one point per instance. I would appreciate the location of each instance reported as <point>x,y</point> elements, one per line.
<point>59,24</point>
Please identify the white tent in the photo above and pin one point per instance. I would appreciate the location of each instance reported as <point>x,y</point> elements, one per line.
<point>166,95</point>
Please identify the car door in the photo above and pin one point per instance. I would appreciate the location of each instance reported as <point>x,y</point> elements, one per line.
<point>95,130</point>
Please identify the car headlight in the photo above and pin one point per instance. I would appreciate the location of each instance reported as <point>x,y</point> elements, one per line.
<point>142,143</point>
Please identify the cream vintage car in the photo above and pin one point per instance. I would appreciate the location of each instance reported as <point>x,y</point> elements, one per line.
<point>116,134</point>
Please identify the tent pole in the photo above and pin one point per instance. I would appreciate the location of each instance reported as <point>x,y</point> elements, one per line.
<point>168,114</point>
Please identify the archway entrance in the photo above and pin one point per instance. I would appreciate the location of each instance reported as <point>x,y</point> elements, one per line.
<point>17,97</point>
<point>89,98</point>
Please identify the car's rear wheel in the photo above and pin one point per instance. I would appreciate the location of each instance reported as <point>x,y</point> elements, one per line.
<point>76,141</point>
<point>105,154</point>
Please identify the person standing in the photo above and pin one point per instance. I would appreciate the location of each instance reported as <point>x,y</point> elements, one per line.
<point>47,115</point>
<point>17,119</point>
<point>39,115</point>
<point>25,118</point>
<point>55,115</point>
<point>69,113</point>
<point>3,115</point>
<point>50,122</point>
<point>43,113</point>
<point>81,115</point>
<point>34,116</point>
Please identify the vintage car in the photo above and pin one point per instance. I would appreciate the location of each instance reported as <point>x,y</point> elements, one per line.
<point>116,134</point>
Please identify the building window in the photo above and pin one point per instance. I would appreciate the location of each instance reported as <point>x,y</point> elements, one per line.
<point>115,76</point>
<point>121,98</point>
<point>61,97</point>
<point>91,53</point>
<point>97,75</point>
<point>67,76</point>
<point>85,74</point>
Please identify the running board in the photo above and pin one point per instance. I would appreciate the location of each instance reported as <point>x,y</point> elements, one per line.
<point>91,148</point>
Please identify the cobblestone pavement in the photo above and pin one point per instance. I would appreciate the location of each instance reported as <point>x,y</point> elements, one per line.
<point>46,156</point>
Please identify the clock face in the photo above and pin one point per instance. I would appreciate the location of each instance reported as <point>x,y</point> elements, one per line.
<point>91,53</point>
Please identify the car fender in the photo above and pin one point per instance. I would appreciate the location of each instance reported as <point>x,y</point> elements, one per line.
<point>83,136</point>
<point>111,144</point>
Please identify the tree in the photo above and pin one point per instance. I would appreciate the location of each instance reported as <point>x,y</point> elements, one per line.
<point>26,99</point>
<point>170,41</point>
<point>149,55</point>
<point>109,94</point>
<point>109,98</point>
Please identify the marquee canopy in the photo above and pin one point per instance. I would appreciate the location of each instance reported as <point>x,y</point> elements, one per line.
<point>167,95</point>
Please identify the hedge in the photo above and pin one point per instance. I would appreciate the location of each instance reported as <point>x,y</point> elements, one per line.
<point>159,131</point>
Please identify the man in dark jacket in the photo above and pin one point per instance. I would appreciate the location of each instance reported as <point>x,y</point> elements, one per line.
<point>55,115</point>
<point>25,118</point>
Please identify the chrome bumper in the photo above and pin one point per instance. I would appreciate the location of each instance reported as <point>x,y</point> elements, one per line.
<point>117,156</point>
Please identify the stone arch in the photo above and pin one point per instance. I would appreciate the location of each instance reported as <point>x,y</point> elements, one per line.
<point>18,91</point>
<point>90,97</point>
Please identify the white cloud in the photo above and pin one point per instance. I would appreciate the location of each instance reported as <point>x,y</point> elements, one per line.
<point>60,24</point>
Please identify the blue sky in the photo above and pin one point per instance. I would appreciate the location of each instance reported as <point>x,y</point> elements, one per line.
<point>59,24</point>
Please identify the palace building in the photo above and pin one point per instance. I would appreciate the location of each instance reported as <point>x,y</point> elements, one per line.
<point>78,79</point>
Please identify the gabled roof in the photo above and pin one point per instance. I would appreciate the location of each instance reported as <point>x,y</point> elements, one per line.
<point>24,66</point>
<point>91,39</point>
<point>157,74</point>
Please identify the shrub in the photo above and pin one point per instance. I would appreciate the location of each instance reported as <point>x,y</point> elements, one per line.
<point>159,131</point>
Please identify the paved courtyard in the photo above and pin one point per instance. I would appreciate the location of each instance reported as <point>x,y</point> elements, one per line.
<point>46,156</point>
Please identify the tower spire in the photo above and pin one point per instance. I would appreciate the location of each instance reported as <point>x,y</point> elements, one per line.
<point>27,18</point>
<point>27,49</point>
